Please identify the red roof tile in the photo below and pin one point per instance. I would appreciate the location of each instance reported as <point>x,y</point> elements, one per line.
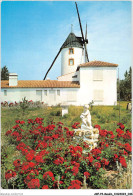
<point>41,84</point>
<point>98,64</point>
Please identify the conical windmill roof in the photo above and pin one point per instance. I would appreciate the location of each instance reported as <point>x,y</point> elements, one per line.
<point>73,41</point>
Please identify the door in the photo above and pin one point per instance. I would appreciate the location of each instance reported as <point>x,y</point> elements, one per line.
<point>52,97</point>
<point>38,95</point>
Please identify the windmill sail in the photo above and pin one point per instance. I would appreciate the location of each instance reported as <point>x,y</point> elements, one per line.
<point>52,63</point>
<point>84,40</point>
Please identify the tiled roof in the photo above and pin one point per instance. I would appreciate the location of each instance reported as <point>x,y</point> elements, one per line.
<point>98,64</point>
<point>73,41</point>
<point>41,84</point>
<point>66,74</point>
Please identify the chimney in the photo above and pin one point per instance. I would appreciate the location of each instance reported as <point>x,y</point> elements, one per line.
<point>13,79</point>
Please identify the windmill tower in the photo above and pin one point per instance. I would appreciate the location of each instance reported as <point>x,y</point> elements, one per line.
<point>72,54</point>
<point>73,51</point>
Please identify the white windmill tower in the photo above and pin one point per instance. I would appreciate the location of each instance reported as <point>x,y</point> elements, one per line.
<point>72,54</point>
<point>73,51</point>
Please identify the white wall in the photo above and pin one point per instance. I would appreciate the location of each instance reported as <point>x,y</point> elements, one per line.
<point>78,57</point>
<point>108,85</point>
<point>75,96</point>
<point>67,95</point>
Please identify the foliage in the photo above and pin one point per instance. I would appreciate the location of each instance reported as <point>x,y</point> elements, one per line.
<point>50,157</point>
<point>4,73</point>
<point>91,105</point>
<point>56,113</point>
<point>23,104</point>
<point>124,86</point>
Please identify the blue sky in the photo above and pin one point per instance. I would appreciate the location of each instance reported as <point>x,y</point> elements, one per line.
<point>32,32</point>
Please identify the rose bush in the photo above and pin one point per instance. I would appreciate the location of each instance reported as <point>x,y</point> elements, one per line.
<point>50,157</point>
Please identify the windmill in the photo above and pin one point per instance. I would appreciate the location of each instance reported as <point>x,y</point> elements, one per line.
<point>84,43</point>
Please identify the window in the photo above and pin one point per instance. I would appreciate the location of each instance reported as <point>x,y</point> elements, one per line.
<point>98,95</point>
<point>71,61</point>
<point>74,76</point>
<point>71,50</point>
<point>58,92</point>
<point>45,92</point>
<point>71,96</point>
<point>97,75</point>
<point>5,92</point>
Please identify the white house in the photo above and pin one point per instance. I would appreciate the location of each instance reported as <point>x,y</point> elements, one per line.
<point>80,82</point>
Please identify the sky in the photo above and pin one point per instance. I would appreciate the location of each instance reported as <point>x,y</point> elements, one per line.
<point>32,33</point>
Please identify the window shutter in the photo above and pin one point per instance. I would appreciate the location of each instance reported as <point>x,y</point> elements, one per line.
<point>97,75</point>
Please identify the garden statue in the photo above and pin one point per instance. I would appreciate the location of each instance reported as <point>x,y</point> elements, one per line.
<point>87,132</point>
<point>86,118</point>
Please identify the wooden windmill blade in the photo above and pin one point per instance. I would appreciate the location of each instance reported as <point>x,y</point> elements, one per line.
<point>85,41</point>
<point>52,64</point>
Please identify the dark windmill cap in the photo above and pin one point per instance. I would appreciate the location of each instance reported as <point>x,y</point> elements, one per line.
<point>73,41</point>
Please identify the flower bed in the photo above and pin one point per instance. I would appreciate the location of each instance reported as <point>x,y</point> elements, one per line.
<point>50,158</point>
<point>30,104</point>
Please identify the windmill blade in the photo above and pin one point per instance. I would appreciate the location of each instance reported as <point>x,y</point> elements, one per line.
<point>84,41</point>
<point>80,23</point>
<point>52,63</point>
<point>86,53</point>
<point>86,32</point>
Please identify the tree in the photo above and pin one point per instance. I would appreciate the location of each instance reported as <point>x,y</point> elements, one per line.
<point>4,73</point>
<point>124,86</point>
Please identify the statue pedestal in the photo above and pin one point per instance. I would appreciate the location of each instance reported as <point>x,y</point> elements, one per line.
<point>89,135</point>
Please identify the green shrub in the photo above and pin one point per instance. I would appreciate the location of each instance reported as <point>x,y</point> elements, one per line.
<point>55,113</point>
<point>66,116</point>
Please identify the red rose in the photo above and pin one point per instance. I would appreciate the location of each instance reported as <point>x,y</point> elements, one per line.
<point>48,174</point>
<point>28,178</point>
<point>22,122</point>
<point>128,147</point>
<point>39,159</point>
<point>75,184</point>
<point>33,184</point>
<point>97,126</point>
<point>45,187</point>
<point>122,160</point>
<point>97,165</point>
<point>8,132</point>
<point>17,163</point>
<point>55,136</point>
<point>75,170</point>
<point>29,156</point>
<point>87,174</point>
<point>10,174</point>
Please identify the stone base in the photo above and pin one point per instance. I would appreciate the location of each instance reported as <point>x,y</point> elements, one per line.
<point>86,128</point>
<point>90,136</point>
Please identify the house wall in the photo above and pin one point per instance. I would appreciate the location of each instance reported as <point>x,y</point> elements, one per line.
<point>78,57</point>
<point>90,87</point>
<point>51,96</point>
<point>103,91</point>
